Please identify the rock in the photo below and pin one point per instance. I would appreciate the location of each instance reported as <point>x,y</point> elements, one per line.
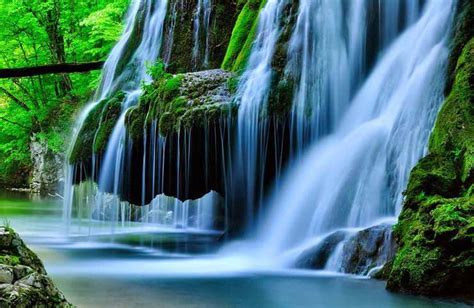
<point>23,280</point>
<point>368,249</point>
<point>317,256</point>
<point>6,274</point>
<point>47,170</point>
<point>361,251</point>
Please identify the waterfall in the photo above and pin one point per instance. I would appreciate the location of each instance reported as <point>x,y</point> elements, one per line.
<point>201,22</point>
<point>168,45</point>
<point>125,70</point>
<point>354,177</point>
<point>329,58</point>
<point>253,95</point>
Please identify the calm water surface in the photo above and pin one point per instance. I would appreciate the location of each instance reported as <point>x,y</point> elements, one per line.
<point>141,266</point>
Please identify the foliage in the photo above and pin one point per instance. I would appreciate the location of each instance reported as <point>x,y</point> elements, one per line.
<point>435,232</point>
<point>243,35</point>
<point>40,32</point>
<point>180,101</point>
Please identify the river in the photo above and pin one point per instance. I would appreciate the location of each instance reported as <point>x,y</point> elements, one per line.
<point>128,269</point>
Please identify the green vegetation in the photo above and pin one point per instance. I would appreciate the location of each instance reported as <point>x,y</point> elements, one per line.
<point>98,126</point>
<point>435,232</point>
<point>41,32</point>
<point>243,35</point>
<point>180,53</point>
<point>179,101</point>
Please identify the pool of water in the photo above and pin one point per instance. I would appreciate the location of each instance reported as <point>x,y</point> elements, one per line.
<point>97,265</point>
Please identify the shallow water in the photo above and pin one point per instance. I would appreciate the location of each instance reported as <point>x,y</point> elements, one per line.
<point>145,267</point>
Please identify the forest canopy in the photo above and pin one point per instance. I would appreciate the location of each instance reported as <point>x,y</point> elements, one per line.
<point>47,32</point>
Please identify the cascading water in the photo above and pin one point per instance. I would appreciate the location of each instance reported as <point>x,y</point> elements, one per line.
<point>202,20</point>
<point>354,178</point>
<point>329,57</point>
<point>125,71</point>
<point>360,117</point>
<point>252,95</point>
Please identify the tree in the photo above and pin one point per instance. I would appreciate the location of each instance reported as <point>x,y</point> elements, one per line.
<point>38,33</point>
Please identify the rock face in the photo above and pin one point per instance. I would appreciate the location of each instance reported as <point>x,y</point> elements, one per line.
<point>354,253</point>
<point>171,109</point>
<point>23,279</point>
<point>185,23</point>
<point>186,101</point>
<point>435,232</point>
<point>47,171</point>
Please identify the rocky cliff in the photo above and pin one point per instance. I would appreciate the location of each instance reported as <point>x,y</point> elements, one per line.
<point>435,232</point>
<point>23,279</point>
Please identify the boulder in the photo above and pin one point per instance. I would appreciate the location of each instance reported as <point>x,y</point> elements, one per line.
<point>23,279</point>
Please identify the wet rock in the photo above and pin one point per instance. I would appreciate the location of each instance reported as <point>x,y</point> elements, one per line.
<point>6,274</point>
<point>361,252</point>
<point>47,170</point>
<point>368,249</point>
<point>317,256</point>
<point>23,280</point>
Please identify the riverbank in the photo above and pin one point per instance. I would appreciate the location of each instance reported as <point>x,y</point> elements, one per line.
<point>23,278</point>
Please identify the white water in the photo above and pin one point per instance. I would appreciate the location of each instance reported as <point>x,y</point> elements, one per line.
<point>201,22</point>
<point>144,26</point>
<point>102,202</point>
<point>356,175</point>
<point>252,95</point>
<point>376,129</point>
<point>329,58</point>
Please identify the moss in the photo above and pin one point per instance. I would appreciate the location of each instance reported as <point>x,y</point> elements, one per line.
<point>177,101</point>
<point>10,260</point>
<point>455,123</point>
<point>135,121</point>
<point>109,117</point>
<point>433,175</point>
<point>243,35</point>
<point>435,231</point>
<point>99,123</point>
<point>179,43</point>
<point>202,115</point>
<point>283,84</point>
<point>454,220</point>
<point>233,84</point>
<point>463,31</point>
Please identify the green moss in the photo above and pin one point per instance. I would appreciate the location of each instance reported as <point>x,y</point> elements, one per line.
<point>174,103</point>
<point>109,117</point>
<point>283,84</point>
<point>135,120</point>
<point>96,129</point>
<point>243,35</point>
<point>463,31</point>
<point>454,220</point>
<point>224,14</point>
<point>233,84</point>
<point>435,232</point>
<point>10,260</point>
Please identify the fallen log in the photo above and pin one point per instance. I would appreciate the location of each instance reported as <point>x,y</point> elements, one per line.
<point>64,68</point>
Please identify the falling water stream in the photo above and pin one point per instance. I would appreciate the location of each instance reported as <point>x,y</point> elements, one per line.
<point>202,20</point>
<point>367,87</point>
<point>354,178</point>
<point>361,116</point>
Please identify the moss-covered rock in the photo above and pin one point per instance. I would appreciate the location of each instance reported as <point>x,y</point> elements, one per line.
<point>23,279</point>
<point>179,35</point>
<point>463,31</point>
<point>96,129</point>
<point>435,231</point>
<point>243,35</point>
<point>182,101</point>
